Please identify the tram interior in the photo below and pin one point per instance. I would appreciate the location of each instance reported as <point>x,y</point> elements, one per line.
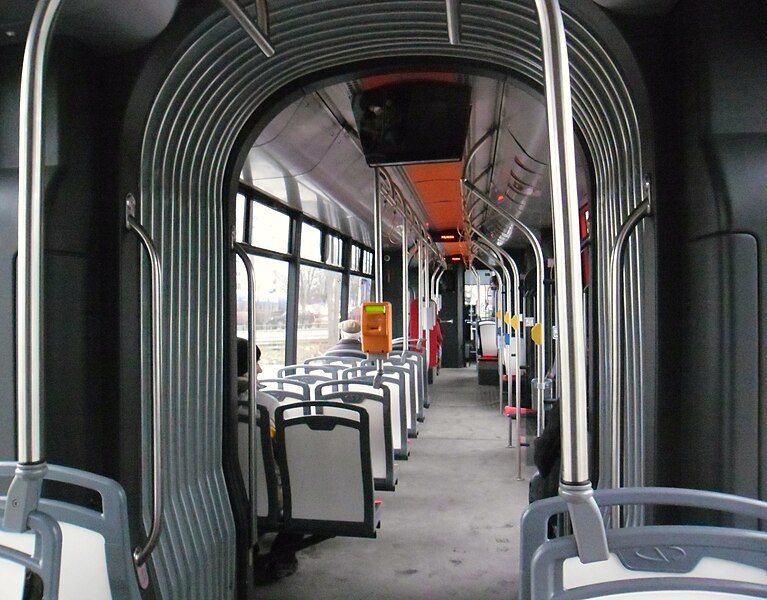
<point>375,157</point>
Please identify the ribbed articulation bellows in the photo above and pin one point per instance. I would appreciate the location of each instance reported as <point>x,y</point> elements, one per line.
<point>218,83</point>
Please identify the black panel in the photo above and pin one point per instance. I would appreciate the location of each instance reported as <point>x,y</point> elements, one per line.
<point>392,288</point>
<point>80,277</point>
<point>8,225</point>
<point>702,68</point>
<point>717,413</point>
<point>414,122</point>
<point>451,317</point>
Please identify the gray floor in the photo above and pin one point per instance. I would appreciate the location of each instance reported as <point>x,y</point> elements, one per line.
<point>451,529</point>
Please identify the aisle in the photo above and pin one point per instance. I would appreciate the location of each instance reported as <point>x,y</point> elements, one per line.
<point>450,531</point>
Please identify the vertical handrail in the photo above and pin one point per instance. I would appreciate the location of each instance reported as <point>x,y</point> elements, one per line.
<point>434,291</point>
<point>262,16</point>
<point>247,24</point>
<point>426,310</point>
<point>575,486</point>
<point>436,285</point>
<point>419,303</point>
<point>405,285</point>
<point>502,345</point>
<point>614,325</point>
<point>141,554</point>
<point>475,149</point>
<point>24,492</point>
<point>540,300</point>
<point>475,324</point>
<point>452,7</point>
<point>377,236</point>
<point>252,387</point>
<point>500,336</point>
<point>501,254</point>
<point>378,257</point>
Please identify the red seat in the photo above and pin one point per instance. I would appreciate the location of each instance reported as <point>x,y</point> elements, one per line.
<point>512,411</point>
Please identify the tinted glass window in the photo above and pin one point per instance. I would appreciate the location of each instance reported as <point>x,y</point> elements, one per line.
<point>311,239</point>
<point>271,305</point>
<point>319,307</point>
<point>270,229</point>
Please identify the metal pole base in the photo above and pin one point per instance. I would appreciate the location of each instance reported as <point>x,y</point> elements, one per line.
<point>23,495</point>
<point>586,518</point>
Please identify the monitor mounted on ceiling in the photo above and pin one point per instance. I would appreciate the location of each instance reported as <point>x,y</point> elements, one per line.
<point>413,122</point>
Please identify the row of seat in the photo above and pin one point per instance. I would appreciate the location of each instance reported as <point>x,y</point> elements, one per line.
<point>338,429</point>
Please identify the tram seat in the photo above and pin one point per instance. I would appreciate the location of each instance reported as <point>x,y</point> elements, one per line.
<point>96,561</point>
<point>511,412</point>
<point>488,340</point>
<point>311,380</point>
<point>358,354</point>
<point>329,370</point>
<point>379,418</point>
<point>333,359</point>
<point>408,371</point>
<point>487,353</point>
<point>415,353</point>
<point>286,388</point>
<point>419,357</point>
<point>268,508</point>
<point>326,470</point>
<point>413,361</point>
<point>393,385</point>
<point>37,550</point>
<point>683,562</point>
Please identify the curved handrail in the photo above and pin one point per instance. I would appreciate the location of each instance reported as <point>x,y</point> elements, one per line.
<point>575,486</point>
<point>247,24</point>
<point>453,21</point>
<point>141,555</point>
<point>252,368</point>
<point>540,300</point>
<point>24,492</point>
<point>500,254</point>
<point>30,231</point>
<point>614,327</point>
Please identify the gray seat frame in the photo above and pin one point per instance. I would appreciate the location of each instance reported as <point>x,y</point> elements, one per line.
<point>541,558</point>
<point>111,522</point>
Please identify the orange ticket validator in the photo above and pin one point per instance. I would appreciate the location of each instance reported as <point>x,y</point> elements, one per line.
<point>376,327</point>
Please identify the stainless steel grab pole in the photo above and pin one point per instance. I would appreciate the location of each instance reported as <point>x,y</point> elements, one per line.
<point>405,286</point>
<point>475,325</point>
<point>24,491</point>
<point>501,254</point>
<point>141,554</point>
<point>614,326</point>
<point>252,386</point>
<point>251,28</point>
<point>419,304</point>
<point>377,237</point>
<point>575,486</point>
<point>29,286</point>
<point>507,281</point>
<point>473,152</point>
<point>378,255</point>
<point>453,21</point>
<point>436,285</point>
<point>540,300</point>
<point>426,310</point>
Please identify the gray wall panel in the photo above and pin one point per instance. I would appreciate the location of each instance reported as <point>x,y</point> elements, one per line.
<point>209,103</point>
<point>719,375</point>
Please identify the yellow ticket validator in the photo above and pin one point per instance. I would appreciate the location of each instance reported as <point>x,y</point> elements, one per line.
<point>376,327</point>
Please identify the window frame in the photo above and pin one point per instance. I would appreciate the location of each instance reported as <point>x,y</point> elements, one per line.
<point>294,260</point>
